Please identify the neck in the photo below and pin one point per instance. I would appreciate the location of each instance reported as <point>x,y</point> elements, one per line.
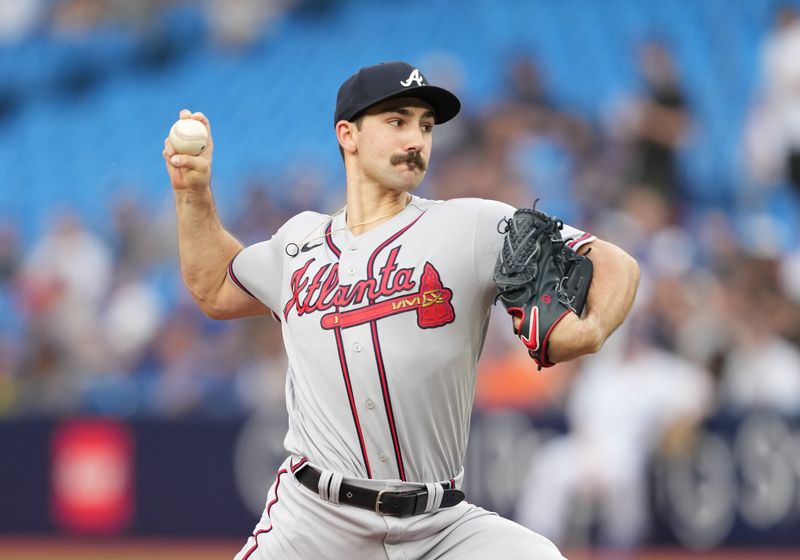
<point>368,210</point>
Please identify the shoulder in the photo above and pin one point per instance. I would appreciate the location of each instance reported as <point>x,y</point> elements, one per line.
<point>471,206</point>
<point>297,228</point>
<point>304,223</point>
<point>307,219</point>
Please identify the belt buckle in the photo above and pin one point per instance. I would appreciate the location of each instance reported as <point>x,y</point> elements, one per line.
<point>378,500</point>
<point>401,505</point>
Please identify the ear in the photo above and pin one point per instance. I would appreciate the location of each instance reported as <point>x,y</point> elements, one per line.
<point>345,134</point>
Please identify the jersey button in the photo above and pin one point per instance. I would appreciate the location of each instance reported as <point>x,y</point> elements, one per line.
<point>351,271</point>
<point>370,403</point>
<point>382,457</point>
<point>357,347</point>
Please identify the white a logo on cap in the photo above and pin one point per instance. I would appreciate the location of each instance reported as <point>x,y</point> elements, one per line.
<point>414,77</point>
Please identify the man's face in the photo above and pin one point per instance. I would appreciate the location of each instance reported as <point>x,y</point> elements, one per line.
<point>394,143</point>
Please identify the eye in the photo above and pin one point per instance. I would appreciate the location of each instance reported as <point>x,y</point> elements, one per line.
<point>427,127</point>
<point>395,122</point>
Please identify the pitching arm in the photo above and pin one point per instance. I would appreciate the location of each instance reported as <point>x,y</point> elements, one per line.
<point>205,247</point>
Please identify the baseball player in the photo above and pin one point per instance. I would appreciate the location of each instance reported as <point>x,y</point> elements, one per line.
<point>383,307</point>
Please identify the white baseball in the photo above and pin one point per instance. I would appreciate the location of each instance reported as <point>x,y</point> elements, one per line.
<point>188,136</point>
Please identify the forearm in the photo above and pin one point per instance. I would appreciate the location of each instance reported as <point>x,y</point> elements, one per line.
<point>611,295</point>
<point>613,289</point>
<point>204,247</point>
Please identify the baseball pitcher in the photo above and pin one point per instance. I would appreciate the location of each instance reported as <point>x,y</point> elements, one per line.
<point>384,307</point>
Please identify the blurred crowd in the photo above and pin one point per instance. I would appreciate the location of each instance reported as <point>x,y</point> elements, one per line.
<point>99,321</point>
<point>232,22</point>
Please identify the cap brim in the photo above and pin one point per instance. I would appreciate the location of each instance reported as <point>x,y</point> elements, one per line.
<point>445,105</point>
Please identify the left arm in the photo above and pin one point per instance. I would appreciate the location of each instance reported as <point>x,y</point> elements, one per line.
<point>610,297</point>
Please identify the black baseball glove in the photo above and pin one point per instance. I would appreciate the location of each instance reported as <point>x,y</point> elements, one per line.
<point>539,278</point>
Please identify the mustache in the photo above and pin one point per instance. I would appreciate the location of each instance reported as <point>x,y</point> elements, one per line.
<point>409,157</point>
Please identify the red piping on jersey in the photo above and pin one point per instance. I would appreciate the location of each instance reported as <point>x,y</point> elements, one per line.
<point>343,364</point>
<point>346,374</point>
<point>329,240</point>
<point>269,507</point>
<point>383,245</point>
<point>387,400</point>
<point>236,280</point>
<point>574,242</point>
<point>300,463</point>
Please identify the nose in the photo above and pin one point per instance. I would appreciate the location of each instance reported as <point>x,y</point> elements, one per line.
<point>415,141</point>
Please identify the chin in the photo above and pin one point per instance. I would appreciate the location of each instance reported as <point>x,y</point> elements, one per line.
<point>412,183</point>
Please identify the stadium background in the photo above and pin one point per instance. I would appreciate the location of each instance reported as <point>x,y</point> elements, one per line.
<point>131,425</point>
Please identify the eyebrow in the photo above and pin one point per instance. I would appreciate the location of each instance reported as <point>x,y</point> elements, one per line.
<point>406,112</point>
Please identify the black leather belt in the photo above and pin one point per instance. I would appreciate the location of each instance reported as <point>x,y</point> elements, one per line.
<point>409,502</point>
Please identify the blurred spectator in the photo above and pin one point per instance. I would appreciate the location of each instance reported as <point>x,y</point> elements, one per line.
<point>131,317</point>
<point>141,239</point>
<point>547,145</point>
<point>239,23</point>
<point>655,124</point>
<point>10,356</point>
<point>77,18</point>
<point>761,368</point>
<point>71,262</point>
<point>65,280</point>
<point>525,84</point>
<point>545,116</point>
<point>260,366</point>
<point>19,18</point>
<point>12,325</point>
<point>772,141</point>
<point>10,258</point>
<point>48,384</point>
<point>183,361</point>
<point>474,173</point>
<point>140,14</point>
<point>622,405</point>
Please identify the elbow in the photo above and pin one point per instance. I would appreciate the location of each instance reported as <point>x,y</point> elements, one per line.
<point>635,273</point>
<point>626,286</point>
<point>214,313</point>
<point>629,273</point>
<point>218,312</point>
<point>595,343</point>
<point>209,307</point>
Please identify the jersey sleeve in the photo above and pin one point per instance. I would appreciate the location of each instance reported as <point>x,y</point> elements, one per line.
<point>258,269</point>
<point>488,238</point>
<point>575,237</point>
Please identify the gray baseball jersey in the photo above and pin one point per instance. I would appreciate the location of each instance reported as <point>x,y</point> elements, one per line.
<point>383,332</point>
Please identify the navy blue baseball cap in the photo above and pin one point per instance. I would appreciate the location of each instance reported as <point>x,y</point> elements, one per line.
<point>373,84</point>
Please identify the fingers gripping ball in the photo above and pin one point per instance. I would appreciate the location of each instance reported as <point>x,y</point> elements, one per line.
<point>188,136</point>
<point>539,279</point>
